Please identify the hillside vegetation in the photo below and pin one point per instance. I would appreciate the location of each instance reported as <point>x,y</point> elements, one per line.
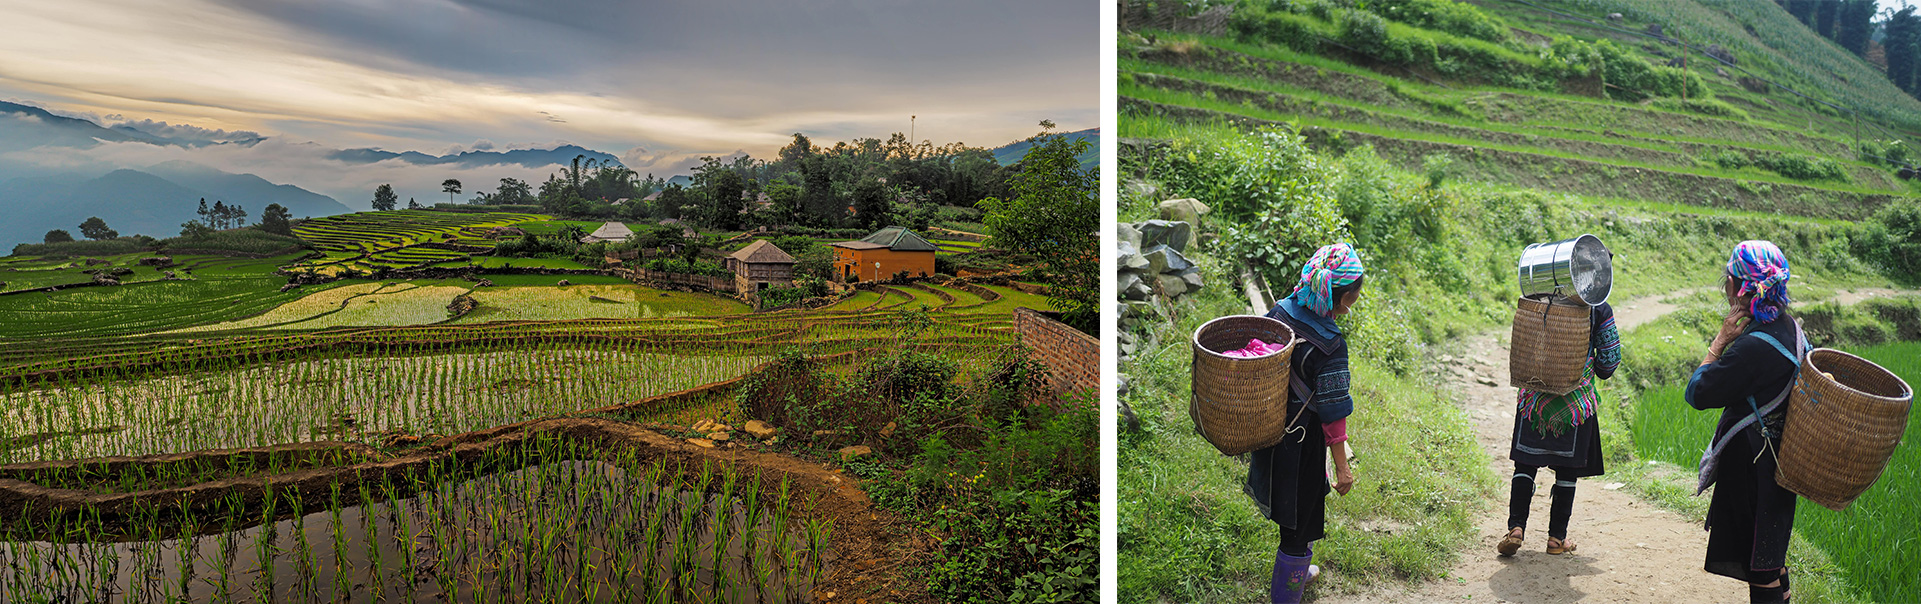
<point>1538,100</point>
<point>1440,138</point>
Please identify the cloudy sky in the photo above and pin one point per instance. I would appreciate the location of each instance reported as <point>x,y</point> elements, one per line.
<point>656,83</point>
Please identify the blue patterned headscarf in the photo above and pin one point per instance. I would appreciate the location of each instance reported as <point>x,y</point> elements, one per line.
<point>1331,267</point>
<point>1762,271</point>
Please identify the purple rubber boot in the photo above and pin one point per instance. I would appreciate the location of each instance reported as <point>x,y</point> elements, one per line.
<point>1291,576</point>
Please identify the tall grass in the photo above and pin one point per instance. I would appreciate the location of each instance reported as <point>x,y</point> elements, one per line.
<point>1877,540</point>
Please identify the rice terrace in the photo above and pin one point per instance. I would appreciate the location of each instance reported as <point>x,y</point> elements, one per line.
<point>392,406</point>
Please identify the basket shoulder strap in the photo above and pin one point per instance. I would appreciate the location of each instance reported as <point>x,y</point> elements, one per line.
<point>1792,357</point>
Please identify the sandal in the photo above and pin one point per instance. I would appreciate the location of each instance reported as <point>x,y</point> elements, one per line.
<point>1511,543</point>
<point>1557,547</point>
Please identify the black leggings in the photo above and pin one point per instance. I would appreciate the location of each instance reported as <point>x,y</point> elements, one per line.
<point>1558,511</point>
<point>1297,547</point>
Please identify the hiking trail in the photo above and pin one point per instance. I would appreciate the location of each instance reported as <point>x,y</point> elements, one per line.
<point>1629,549</point>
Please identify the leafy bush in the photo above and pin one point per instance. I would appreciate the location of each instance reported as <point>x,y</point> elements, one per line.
<point>1714,107</point>
<point>103,247</point>
<point>248,241</point>
<point>1018,511</point>
<point>1458,18</point>
<point>1893,239</point>
<point>1285,29</point>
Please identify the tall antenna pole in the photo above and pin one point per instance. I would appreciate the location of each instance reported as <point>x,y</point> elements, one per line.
<point>910,128</point>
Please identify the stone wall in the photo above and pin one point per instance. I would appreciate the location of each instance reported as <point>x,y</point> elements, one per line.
<point>1074,358</point>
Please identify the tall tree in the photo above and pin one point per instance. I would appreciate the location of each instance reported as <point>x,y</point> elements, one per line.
<point>1802,10</point>
<point>1854,26</point>
<point>206,215</point>
<point>236,216</point>
<point>58,236</point>
<point>873,203</point>
<point>384,198</point>
<point>513,191</point>
<point>276,219</point>
<point>1055,216</point>
<point>451,186</point>
<point>1825,14</point>
<point>1903,29</point>
<point>96,229</point>
<point>219,214</point>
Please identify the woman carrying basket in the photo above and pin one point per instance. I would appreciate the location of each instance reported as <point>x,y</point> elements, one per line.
<point>1288,481</point>
<point>1748,370</point>
<point>1560,432</point>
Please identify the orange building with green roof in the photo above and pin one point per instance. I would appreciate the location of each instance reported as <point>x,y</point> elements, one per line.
<point>880,256</point>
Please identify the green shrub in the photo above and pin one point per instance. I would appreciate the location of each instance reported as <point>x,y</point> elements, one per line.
<point>1707,106</point>
<point>103,247</point>
<point>1458,18</point>
<point>1285,29</point>
<point>1893,239</point>
<point>248,241</point>
<point>1018,511</point>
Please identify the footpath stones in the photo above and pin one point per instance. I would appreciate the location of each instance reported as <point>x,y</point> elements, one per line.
<point>849,453</point>
<point>759,429</point>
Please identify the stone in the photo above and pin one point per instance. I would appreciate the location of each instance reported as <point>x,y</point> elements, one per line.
<point>1193,279</point>
<point>761,430</point>
<point>1166,259</point>
<point>705,425</point>
<point>1486,381</point>
<point>1187,210</point>
<point>1127,234</point>
<point>888,430</point>
<point>1172,285</point>
<point>1163,232</point>
<point>720,437</point>
<point>1138,289</point>
<point>701,442</point>
<point>851,452</point>
<point>565,282</point>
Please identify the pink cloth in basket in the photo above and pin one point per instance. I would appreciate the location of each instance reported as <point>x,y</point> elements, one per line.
<point>1255,349</point>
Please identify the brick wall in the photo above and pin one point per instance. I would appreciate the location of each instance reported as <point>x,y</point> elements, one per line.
<point>1074,358</point>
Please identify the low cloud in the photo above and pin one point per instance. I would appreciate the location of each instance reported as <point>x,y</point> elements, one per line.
<point>187,132</point>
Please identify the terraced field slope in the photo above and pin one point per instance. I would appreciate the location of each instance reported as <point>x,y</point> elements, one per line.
<point>405,238</point>
<point>1728,145</point>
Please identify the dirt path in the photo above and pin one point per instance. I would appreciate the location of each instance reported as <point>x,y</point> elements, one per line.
<point>1630,549</point>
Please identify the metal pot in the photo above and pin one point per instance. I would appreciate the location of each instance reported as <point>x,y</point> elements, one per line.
<point>1580,268</point>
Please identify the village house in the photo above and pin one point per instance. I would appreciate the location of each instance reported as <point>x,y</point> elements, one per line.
<point>882,255</point>
<point>609,232</point>
<point>761,265</point>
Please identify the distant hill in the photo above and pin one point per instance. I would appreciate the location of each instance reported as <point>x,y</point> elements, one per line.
<point>532,158</point>
<point>250,191</point>
<point>1009,154</point>
<point>141,202</point>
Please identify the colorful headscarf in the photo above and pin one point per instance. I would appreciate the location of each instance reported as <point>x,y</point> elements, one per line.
<point>1331,267</point>
<point>1762,270</point>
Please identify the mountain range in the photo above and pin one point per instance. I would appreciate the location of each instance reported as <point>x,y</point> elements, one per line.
<point>155,199</point>
<point>152,202</point>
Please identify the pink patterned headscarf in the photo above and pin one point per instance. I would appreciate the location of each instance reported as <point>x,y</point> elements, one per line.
<point>1331,267</point>
<point>1762,271</point>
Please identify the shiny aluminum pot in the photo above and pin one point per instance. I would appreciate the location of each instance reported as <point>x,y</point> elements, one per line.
<point>1580,268</point>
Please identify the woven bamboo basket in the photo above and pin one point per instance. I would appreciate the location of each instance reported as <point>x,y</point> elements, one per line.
<point>1240,405</point>
<point>1845,417</point>
<point>1548,346</point>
